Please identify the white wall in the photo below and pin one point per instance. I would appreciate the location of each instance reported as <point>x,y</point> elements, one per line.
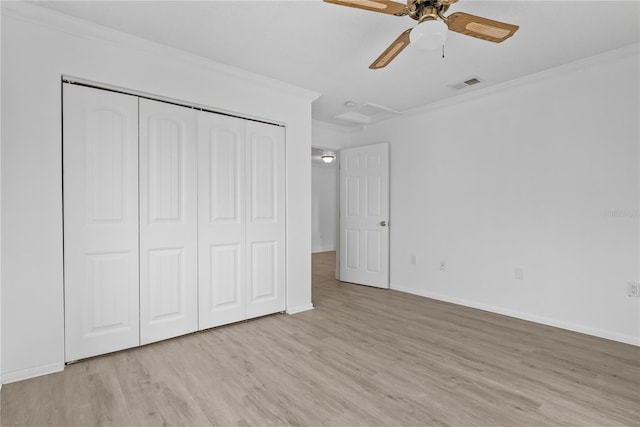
<point>324,207</point>
<point>326,135</point>
<point>39,46</point>
<point>541,174</point>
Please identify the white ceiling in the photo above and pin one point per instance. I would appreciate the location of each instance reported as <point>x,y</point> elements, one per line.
<point>328,48</point>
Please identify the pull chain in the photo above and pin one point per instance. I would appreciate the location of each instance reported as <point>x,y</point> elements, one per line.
<point>443,51</point>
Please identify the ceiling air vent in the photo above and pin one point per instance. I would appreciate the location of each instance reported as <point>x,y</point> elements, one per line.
<point>469,82</point>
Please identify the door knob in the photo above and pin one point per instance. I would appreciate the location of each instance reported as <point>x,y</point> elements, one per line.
<point>383,223</point>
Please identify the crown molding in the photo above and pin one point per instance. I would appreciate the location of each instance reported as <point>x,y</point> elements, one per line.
<point>612,55</point>
<point>605,57</point>
<point>84,29</point>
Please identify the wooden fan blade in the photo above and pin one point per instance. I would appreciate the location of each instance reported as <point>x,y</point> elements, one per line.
<point>480,28</point>
<point>392,51</point>
<point>383,6</point>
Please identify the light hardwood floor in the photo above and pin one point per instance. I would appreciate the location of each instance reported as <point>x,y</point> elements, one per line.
<point>364,356</point>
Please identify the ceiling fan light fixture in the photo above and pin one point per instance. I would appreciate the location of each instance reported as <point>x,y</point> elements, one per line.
<point>429,35</point>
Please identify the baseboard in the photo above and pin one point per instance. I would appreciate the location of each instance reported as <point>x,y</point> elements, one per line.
<point>330,248</point>
<point>24,374</point>
<point>614,336</point>
<point>299,308</point>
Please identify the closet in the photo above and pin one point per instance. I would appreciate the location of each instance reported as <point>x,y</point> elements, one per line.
<point>241,219</point>
<point>173,220</point>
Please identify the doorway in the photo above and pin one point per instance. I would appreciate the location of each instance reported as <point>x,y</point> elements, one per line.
<point>324,200</point>
<point>350,211</point>
<point>364,215</point>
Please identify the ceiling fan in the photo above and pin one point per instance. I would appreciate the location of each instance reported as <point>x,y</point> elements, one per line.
<point>431,31</point>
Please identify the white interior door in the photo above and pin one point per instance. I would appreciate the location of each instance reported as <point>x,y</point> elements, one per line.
<point>265,219</point>
<point>364,215</point>
<point>100,183</point>
<point>221,219</point>
<point>168,221</point>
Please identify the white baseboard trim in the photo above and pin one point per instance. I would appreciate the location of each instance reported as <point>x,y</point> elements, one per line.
<point>300,308</point>
<point>24,374</point>
<point>614,336</point>
<point>330,248</point>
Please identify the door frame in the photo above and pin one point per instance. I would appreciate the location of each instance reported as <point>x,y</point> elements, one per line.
<point>336,230</point>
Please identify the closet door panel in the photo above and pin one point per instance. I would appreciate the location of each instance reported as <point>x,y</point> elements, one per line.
<point>100,184</point>
<point>168,221</point>
<point>221,219</point>
<point>265,227</point>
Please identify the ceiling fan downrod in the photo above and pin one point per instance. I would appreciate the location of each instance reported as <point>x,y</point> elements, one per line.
<point>429,10</point>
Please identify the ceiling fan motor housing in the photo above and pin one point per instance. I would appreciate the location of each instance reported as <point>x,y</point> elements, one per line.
<point>428,10</point>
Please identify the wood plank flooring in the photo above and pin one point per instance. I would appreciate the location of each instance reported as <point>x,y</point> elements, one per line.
<point>363,357</point>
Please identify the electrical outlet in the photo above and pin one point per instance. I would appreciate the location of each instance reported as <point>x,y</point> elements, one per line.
<point>443,265</point>
<point>413,259</point>
<point>518,273</point>
<point>633,289</point>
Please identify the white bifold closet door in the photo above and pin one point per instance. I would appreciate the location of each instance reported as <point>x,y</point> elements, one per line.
<point>100,184</point>
<point>168,221</point>
<point>221,219</point>
<point>265,218</point>
<point>174,220</point>
<point>241,219</point>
